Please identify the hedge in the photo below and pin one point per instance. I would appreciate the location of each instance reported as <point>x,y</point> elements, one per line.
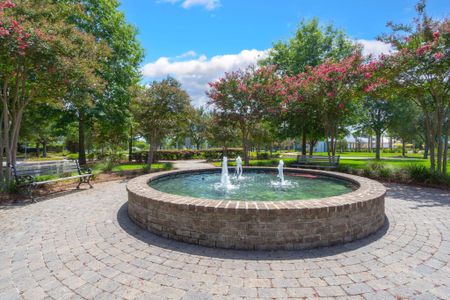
<point>209,154</point>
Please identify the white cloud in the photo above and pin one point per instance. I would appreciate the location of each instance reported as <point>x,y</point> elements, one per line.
<point>195,73</point>
<point>187,54</point>
<point>207,4</point>
<point>374,47</point>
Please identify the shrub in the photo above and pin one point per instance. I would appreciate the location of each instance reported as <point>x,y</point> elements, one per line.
<point>419,173</point>
<point>146,169</point>
<point>263,155</point>
<point>367,171</point>
<point>106,166</point>
<point>72,156</point>
<point>209,154</point>
<point>384,173</point>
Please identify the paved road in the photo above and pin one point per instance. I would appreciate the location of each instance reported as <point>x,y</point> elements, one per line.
<point>83,245</point>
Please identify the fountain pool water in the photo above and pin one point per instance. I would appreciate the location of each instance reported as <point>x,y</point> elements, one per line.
<point>258,185</point>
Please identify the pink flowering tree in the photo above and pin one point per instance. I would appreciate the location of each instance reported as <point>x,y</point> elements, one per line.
<point>300,114</point>
<point>333,86</point>
<point>245,97</point>
<point>39,57</point>
<point>419,70</point>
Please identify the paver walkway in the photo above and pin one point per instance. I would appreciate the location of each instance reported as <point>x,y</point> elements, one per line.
<point>83,245</point>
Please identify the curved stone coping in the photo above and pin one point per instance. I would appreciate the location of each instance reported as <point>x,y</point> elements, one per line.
<point>293,224</point>
<point>365,187</point>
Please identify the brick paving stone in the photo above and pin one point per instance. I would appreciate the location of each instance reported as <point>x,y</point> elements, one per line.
<point>330,291</point>
<point>83,245</point>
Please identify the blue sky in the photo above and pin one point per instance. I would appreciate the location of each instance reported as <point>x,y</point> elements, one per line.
<point>197,40</point>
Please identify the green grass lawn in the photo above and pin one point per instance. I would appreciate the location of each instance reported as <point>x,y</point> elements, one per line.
<point>132,167</point>
<point>371,154</point>
<point>100,167</point>
<point>353,163</point>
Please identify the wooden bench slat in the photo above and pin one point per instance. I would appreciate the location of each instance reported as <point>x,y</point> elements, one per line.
<point>315,161</point>
<point>60,179</point>
<point>26,173</point>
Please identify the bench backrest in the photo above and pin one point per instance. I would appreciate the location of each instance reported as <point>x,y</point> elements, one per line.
<point>316,159</point>
<point>46,168</point>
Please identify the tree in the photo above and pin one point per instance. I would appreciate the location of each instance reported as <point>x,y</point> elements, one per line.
<point>197,126</point>
<point>108,106</point>
<point>334,88</point>
<point>419,70</point>
<point>311,46</point>
<point>159,110</point>
<point>245,97</point>
<point>405,125</point>
<point>36,51</point>
<point>40,124</point>
<point>377,115</point>
<point>221,132</point>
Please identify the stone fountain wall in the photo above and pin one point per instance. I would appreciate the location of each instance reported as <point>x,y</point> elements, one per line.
<point>264,225</point>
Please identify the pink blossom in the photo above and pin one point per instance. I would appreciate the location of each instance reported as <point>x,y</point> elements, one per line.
<point>4,31</point>
<point>423,49</point>
<point>436,35</point>
<point>438,55</point>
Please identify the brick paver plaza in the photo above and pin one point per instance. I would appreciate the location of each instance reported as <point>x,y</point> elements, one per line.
<point>83,245</point>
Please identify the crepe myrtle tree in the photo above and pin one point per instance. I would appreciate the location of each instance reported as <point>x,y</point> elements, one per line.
<point>311,45</point>
<point>245,97</point>
<point>333,87</point>
<point>160,109</point>
<point>36,53</point>
<point>300,111</point>
<point>419,70</point>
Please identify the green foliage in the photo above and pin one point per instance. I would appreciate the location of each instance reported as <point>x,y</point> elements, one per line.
<point>159,110</point>
<point>209,154</point>
<point>311,45</point>
<point>419,173</point>
<point>72,156</point>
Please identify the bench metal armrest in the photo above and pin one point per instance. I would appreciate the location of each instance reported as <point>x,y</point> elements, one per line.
<point>85,170</point>
<point>25,180</point>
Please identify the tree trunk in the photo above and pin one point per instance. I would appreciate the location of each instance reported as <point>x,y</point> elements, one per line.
<point>151,155</point>
<point>81,139</point>
<point>244,133</point>
<point>245,150</point>
<point>44,148</point>
<point>378,145</point>
<point>304,142</point>
<point>403,148</point>
<point>390,143</point>
<point>369,144</point>
<point>130,145</point>
<point>6,128</point>
<point>425,152</point>
<point>37,149</point>
<point>312,144</point>
<point>445,158</point>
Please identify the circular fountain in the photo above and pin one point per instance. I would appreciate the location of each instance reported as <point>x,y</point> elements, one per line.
<point>257,208</point>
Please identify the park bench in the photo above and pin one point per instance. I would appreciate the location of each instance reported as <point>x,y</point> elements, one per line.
<point>315,161</point>
<point>25,174</point>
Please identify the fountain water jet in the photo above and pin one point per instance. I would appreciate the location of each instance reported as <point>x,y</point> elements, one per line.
<point>238,167</point>
<point>280,172</point>
<point>225,178</point>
